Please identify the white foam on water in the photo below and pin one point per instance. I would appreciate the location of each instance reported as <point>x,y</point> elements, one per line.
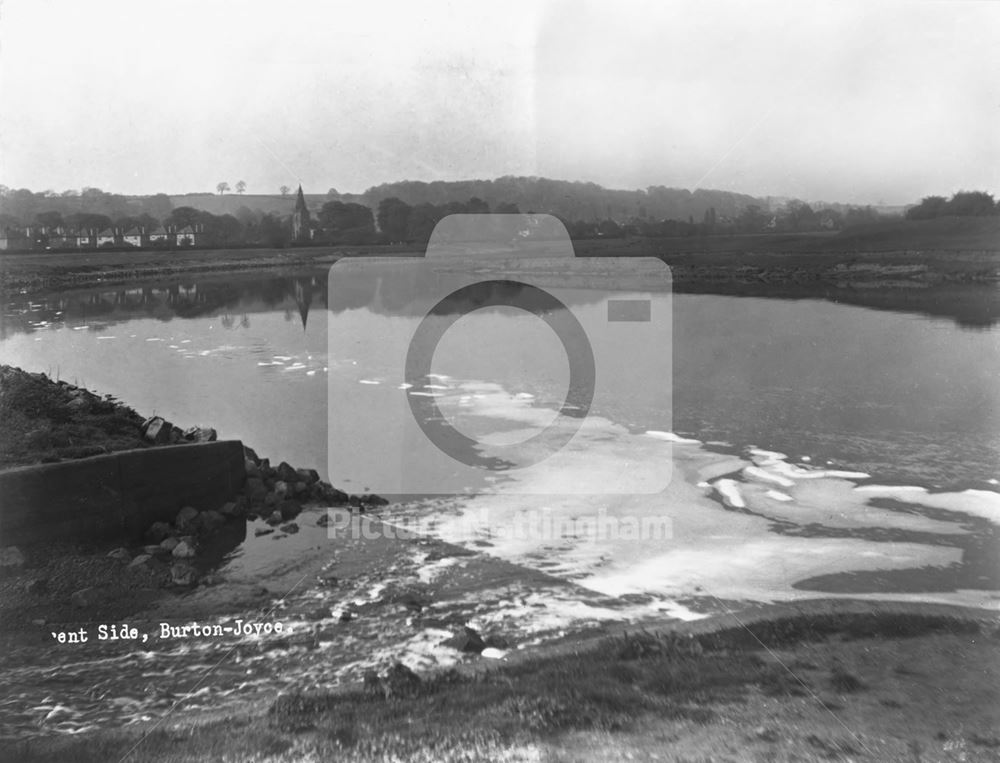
<point>107,337</point>
<point>154,339</point>
<point>81,328</point>
<point>311,373</point>
<point>430,571</point>
<point>533,516</point>
<point>777,495</point>
<point>730,493</point>
<point>436,386</point>
<point>756,472</point>
<point>369,381</point>
<point>669,437</point>
<point>404,385</point>
<point>426,394</point>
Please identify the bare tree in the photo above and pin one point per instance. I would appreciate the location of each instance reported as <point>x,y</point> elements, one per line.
<point>285,190</point>
<point>241,186</point>
<point>222,187</point>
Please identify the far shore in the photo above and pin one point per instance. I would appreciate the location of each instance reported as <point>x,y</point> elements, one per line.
<point>803,260</point>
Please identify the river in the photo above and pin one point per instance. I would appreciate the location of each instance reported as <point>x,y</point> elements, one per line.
<point>758,448</point>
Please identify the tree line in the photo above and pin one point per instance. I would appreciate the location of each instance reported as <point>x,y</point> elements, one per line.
<point>961,204</point>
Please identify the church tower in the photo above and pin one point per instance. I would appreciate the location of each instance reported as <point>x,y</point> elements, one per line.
<point>301,229</point>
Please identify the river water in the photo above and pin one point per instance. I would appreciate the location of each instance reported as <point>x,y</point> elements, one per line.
<point>748,449</point>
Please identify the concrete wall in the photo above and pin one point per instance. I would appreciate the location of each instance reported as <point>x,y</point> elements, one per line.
<point>118,495</point>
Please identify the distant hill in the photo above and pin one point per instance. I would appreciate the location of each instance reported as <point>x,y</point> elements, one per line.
<point>566,199</point>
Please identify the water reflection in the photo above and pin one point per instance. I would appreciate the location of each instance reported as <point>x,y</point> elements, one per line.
<point>237,299</point>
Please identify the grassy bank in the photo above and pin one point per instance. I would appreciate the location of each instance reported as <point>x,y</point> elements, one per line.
<point>945,249</point>
<point>805,687</point>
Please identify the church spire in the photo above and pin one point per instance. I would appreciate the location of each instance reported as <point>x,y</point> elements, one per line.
<point>301,229</point>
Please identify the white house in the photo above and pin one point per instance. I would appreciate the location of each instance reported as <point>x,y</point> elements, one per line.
<point>133,237</point>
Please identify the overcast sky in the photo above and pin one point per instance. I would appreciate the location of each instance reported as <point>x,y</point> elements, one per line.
<point>838,101</point>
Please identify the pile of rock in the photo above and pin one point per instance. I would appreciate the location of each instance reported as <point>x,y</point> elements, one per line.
<point>178,541</point>
<point>158,431</point>
<point>277,493</point>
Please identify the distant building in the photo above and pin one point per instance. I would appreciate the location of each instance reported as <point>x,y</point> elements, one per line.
<point>301,223</point>
<point>107,237</point>
<point>161,235</point>
<point>190,235</point>
<point>134,237</point>
<point>13,238</point>
<point>86,239</point>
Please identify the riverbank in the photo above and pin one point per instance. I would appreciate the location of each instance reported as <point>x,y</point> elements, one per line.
<point>812,685</point>
<point>919,253</point>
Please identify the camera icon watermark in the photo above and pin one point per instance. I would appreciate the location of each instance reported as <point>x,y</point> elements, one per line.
<point>498,362</point>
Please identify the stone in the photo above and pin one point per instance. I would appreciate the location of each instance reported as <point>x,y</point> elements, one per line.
<point>157,430</point>
<point>466,640</point>
<point>211,521</point>
<point>309,476</point>
<point>183,574</point>
<point>300,488</point>
<point>255,490</point>
<point>158,531</point>
<point>263,531</point>
<point>140,561</point>
<point>152,549</point>
<point>11,558</point>
<point>168,545</point>
<point>275,518</point>
<point>121,554</point>
<point>286,473</point>
<point>373,500</point>
<point>187,520</point>
<point>251,468</point>
<point>281,489</point>
<point>200,434</point>
<point>324,520</point>
<point>36,586</point>
<point>228,509</point>
<point>270,501</point>
<point>85,597</point>
<point>176,435</point>
<point>496,641</point>
<point>290,509</point>
<point>291,528</point>
<point>183,550</point>
<point>399,681</point>
<point>251,455</point>
<point>265,468</point>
